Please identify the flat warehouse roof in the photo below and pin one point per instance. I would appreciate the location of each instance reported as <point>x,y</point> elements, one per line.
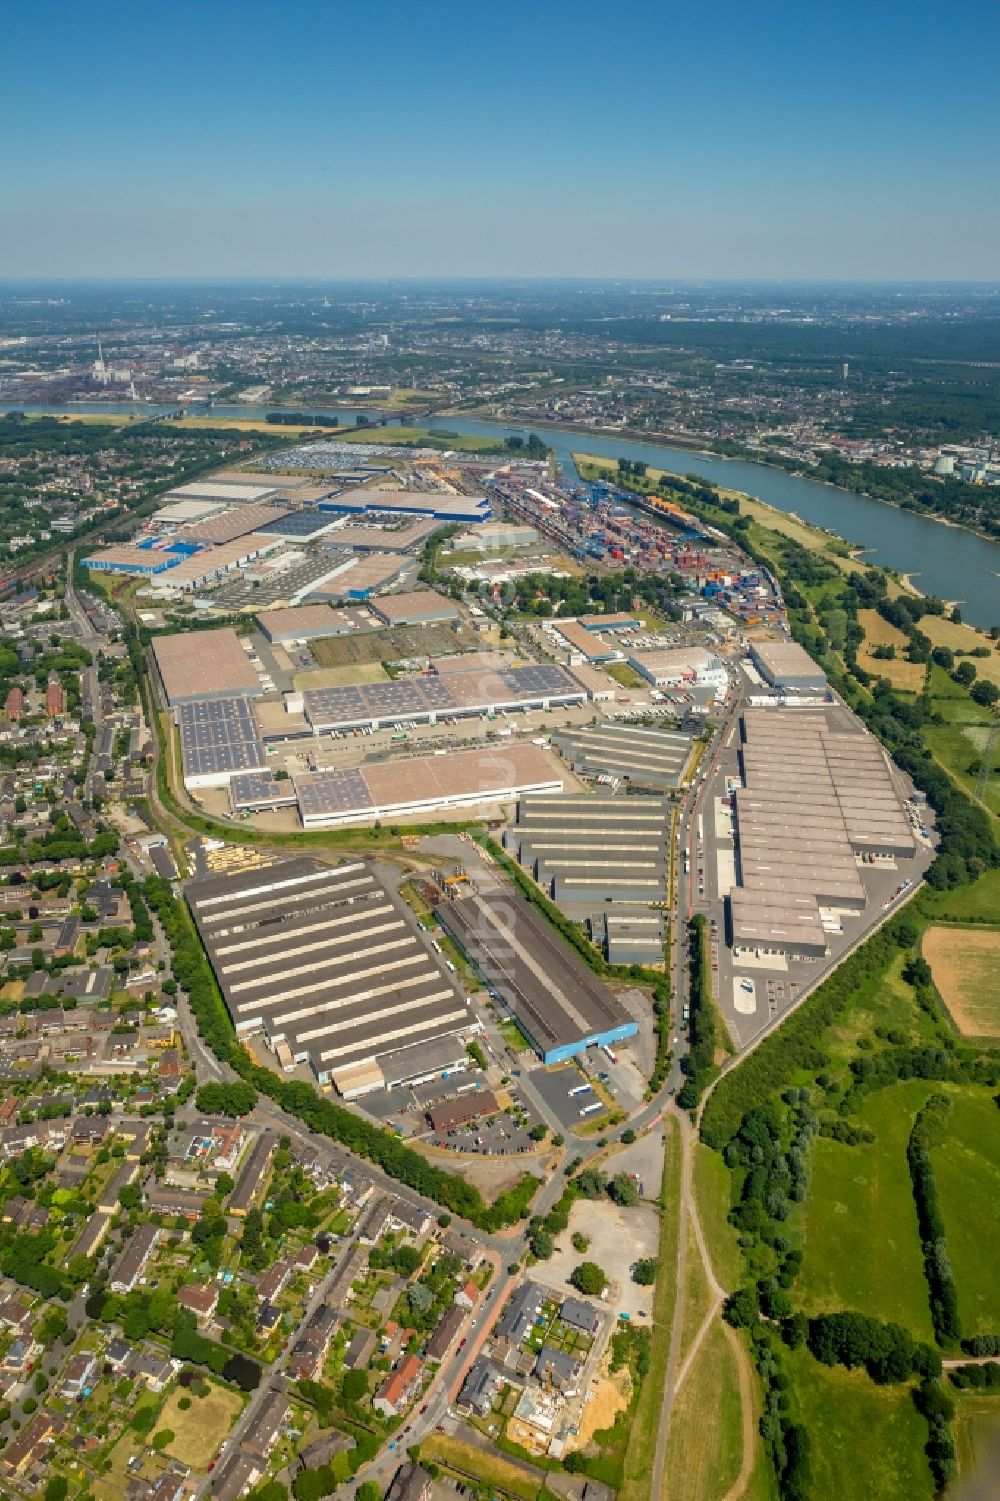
<point>542,981</point>
<point>225,489</point>
<point>415,604</point>
<point>422,782</point>
<point>219,735</point>
<point>228,526</point>
<point>632,753</point>
<point>309,622</point>
<point>420,697</point>
<point>297,524</point>
<point>324,959</point>
<point>203,664</point>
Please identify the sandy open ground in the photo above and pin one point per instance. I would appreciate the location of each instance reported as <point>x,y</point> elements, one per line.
<point>878,632</point>
<point>965,963</point>
<point>941,632</point>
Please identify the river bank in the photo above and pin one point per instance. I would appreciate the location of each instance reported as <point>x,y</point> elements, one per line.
<point>947,560</point>
<point>696,446</point>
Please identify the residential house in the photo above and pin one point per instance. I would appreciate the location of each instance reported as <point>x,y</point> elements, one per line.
<point>399,1388</point>
<point>410,1483</point>
<point>580,1315</point>
<point>556,1368</point>
<point>129,1267</point>
<point>360,1349</point>
<point>481,1385</point>
<point>523,1308</point>
<point>446,1332</point>
<point>267,1427</point>
<point>79,1377</point>
<point>201,1300</point>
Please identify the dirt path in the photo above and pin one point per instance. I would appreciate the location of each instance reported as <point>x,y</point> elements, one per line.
<point>676,1373</point>
<point>749,1427</point>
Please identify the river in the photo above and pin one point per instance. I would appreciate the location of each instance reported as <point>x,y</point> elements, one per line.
<point>945,560</point>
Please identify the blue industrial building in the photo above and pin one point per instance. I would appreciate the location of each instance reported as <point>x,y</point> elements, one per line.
<point>437,504</point>
<point>135,560</point>
<point>558,1003</point>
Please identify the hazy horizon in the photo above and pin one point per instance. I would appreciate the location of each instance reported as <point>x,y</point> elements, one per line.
<point>454,144</point>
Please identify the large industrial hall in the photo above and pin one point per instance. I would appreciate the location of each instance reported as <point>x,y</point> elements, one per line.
<point>323,961</point>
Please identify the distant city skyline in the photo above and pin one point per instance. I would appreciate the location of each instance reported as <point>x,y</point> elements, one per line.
<point>328,143</point>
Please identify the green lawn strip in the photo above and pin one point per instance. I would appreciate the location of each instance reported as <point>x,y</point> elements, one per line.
<point>883,1000</point>
<point>713,1187</point>
<point>967,1174</point>
<point>704,1446</point>
<point>859,1224</point>
<point>978,902</point>
<point>867,1441</point>
<point>638,1463</point>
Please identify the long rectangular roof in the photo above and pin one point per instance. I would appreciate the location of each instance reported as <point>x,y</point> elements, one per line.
<point>454,693</point>
<point>545,984</point>
<point>421,782</point>
<point>200,664</point>
<point>323,958</point>
<point>219,735</point>
<point>650,757</point>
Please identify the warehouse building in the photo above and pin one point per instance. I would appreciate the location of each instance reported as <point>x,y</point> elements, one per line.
<point>422,784</point>
<point>588,851</point>
<point>599,688</point>
<point>555,999</point>
<point>682,665</point>
<point>788,668</point>
<point>213,564</point>
<point>323,960</point>
<point>634,937</point>
<point>228,526</point>
<point>417,607</point>
<point>203,664</point>
<point>439,504</point>
<point>816,801</point>
<point>583,643</point>
<point>144,561</point>
<point>649,760</point>
<point>360,537</point>
<point>219,739</point>
<point>181,512</point>
<point>450,695</point>
<point>298,526</point>
<point>260,792</point>
<point>309,623</point>
<point>228,491</point>
<point>358,577</point>
<point>494,534</point>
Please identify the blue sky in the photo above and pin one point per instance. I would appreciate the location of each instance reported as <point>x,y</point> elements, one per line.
<point>632,139</point>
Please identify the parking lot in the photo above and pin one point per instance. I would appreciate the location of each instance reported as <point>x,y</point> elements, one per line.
<point>570,1096</point>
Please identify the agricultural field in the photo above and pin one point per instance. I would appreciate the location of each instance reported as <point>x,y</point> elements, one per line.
<point>959,742</point>
<point>965,963</point>
<point>397,644</point>
<point>867,1440</point>
<point>859,1223</point>
<point>963,638</point>
<point>340,677</point>
<point>976,1431</point>
<point>907,676</point>
<point>967,1174</point>
<point>199,1429</point>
